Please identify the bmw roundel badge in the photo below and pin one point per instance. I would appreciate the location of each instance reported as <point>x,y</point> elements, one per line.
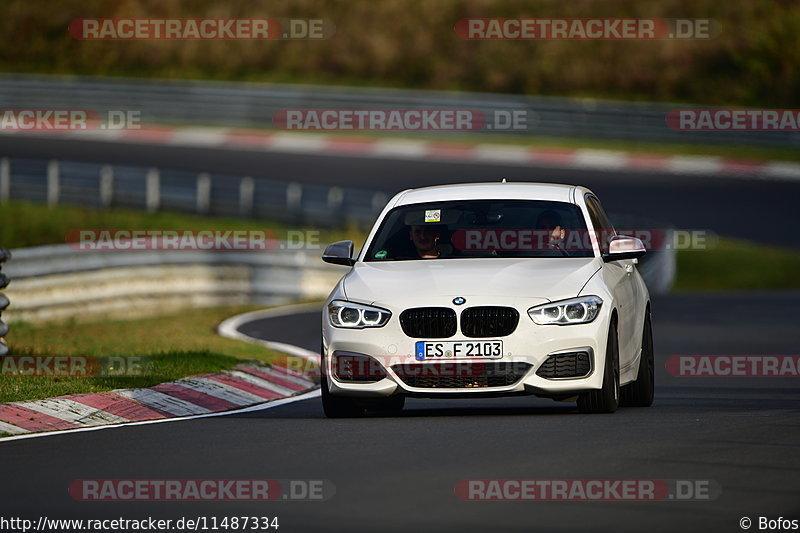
<point>458,300</point>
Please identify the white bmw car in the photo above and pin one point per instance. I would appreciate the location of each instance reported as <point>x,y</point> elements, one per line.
<point>488,289</point>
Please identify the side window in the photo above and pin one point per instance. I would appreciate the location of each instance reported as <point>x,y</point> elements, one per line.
<point>600,222</point>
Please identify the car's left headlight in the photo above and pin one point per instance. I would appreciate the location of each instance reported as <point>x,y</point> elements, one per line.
<point>579,310</point>
<point>356,316</point>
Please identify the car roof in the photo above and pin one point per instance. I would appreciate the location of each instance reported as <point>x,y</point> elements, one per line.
<point>491,190</point>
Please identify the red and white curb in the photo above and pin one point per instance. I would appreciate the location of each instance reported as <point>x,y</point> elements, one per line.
<point>511,155</point>
<point>241,388</point>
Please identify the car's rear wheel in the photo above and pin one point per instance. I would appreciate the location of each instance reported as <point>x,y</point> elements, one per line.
<point>640,392</point>
<point>606,399</point>
<point>337,406</point>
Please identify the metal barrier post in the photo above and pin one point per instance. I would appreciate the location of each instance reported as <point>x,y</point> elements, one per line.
<point>203,193</point>
<point>5,180</point>
<point>246,191</point>
<point>153,190</point>
<point>53,183</point>
<point>106,185</point>
<point>4,255</point>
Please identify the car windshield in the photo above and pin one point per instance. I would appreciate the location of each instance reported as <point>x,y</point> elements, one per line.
<point>481,229</point>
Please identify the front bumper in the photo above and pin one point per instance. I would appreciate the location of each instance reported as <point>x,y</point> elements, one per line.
<point>525,351</point>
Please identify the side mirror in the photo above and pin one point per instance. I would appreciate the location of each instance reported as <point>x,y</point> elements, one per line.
<point>339,253</point>
<point>622,247</point>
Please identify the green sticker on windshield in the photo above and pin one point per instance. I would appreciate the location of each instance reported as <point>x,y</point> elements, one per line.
<point>381,254</point>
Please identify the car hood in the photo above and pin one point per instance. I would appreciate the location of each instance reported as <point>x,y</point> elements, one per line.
<point>544,278</point>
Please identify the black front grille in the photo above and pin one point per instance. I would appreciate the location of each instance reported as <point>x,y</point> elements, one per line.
<point>565,365</point>
<point>460,375</point>
<point>428,322</point>
<point>489,321</point>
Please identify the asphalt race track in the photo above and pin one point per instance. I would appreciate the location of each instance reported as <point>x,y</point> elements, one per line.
<point>399,474</point>
<point>758,210</point>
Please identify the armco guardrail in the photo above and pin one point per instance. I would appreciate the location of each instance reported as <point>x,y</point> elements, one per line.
<point>59,283</point>
<point>4,256</point>
<point>95,185</point>
<point>255,104</point>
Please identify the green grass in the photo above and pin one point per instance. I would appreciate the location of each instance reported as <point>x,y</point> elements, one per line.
<point>24,224</point>
<point>737,265</point>
<point>171,347</point>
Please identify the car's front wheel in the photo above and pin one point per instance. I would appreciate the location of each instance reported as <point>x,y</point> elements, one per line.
<point>606,399</point>
<point>388,406</point>
<point>337,406</point>
<point>640,392</point>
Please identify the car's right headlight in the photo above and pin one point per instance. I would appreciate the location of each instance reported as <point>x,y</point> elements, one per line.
<point>344,314</point>
<point>579,310</point>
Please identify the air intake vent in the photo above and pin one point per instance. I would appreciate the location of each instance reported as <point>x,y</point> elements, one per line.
<point>565,365</point>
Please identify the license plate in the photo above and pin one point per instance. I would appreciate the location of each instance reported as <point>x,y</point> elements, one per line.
<point>459,350</point>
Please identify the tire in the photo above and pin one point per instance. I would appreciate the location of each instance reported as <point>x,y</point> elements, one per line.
<point>640,392</point>
<point>389,406</point>
<point>606,399</point>
<point>337,406</point>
